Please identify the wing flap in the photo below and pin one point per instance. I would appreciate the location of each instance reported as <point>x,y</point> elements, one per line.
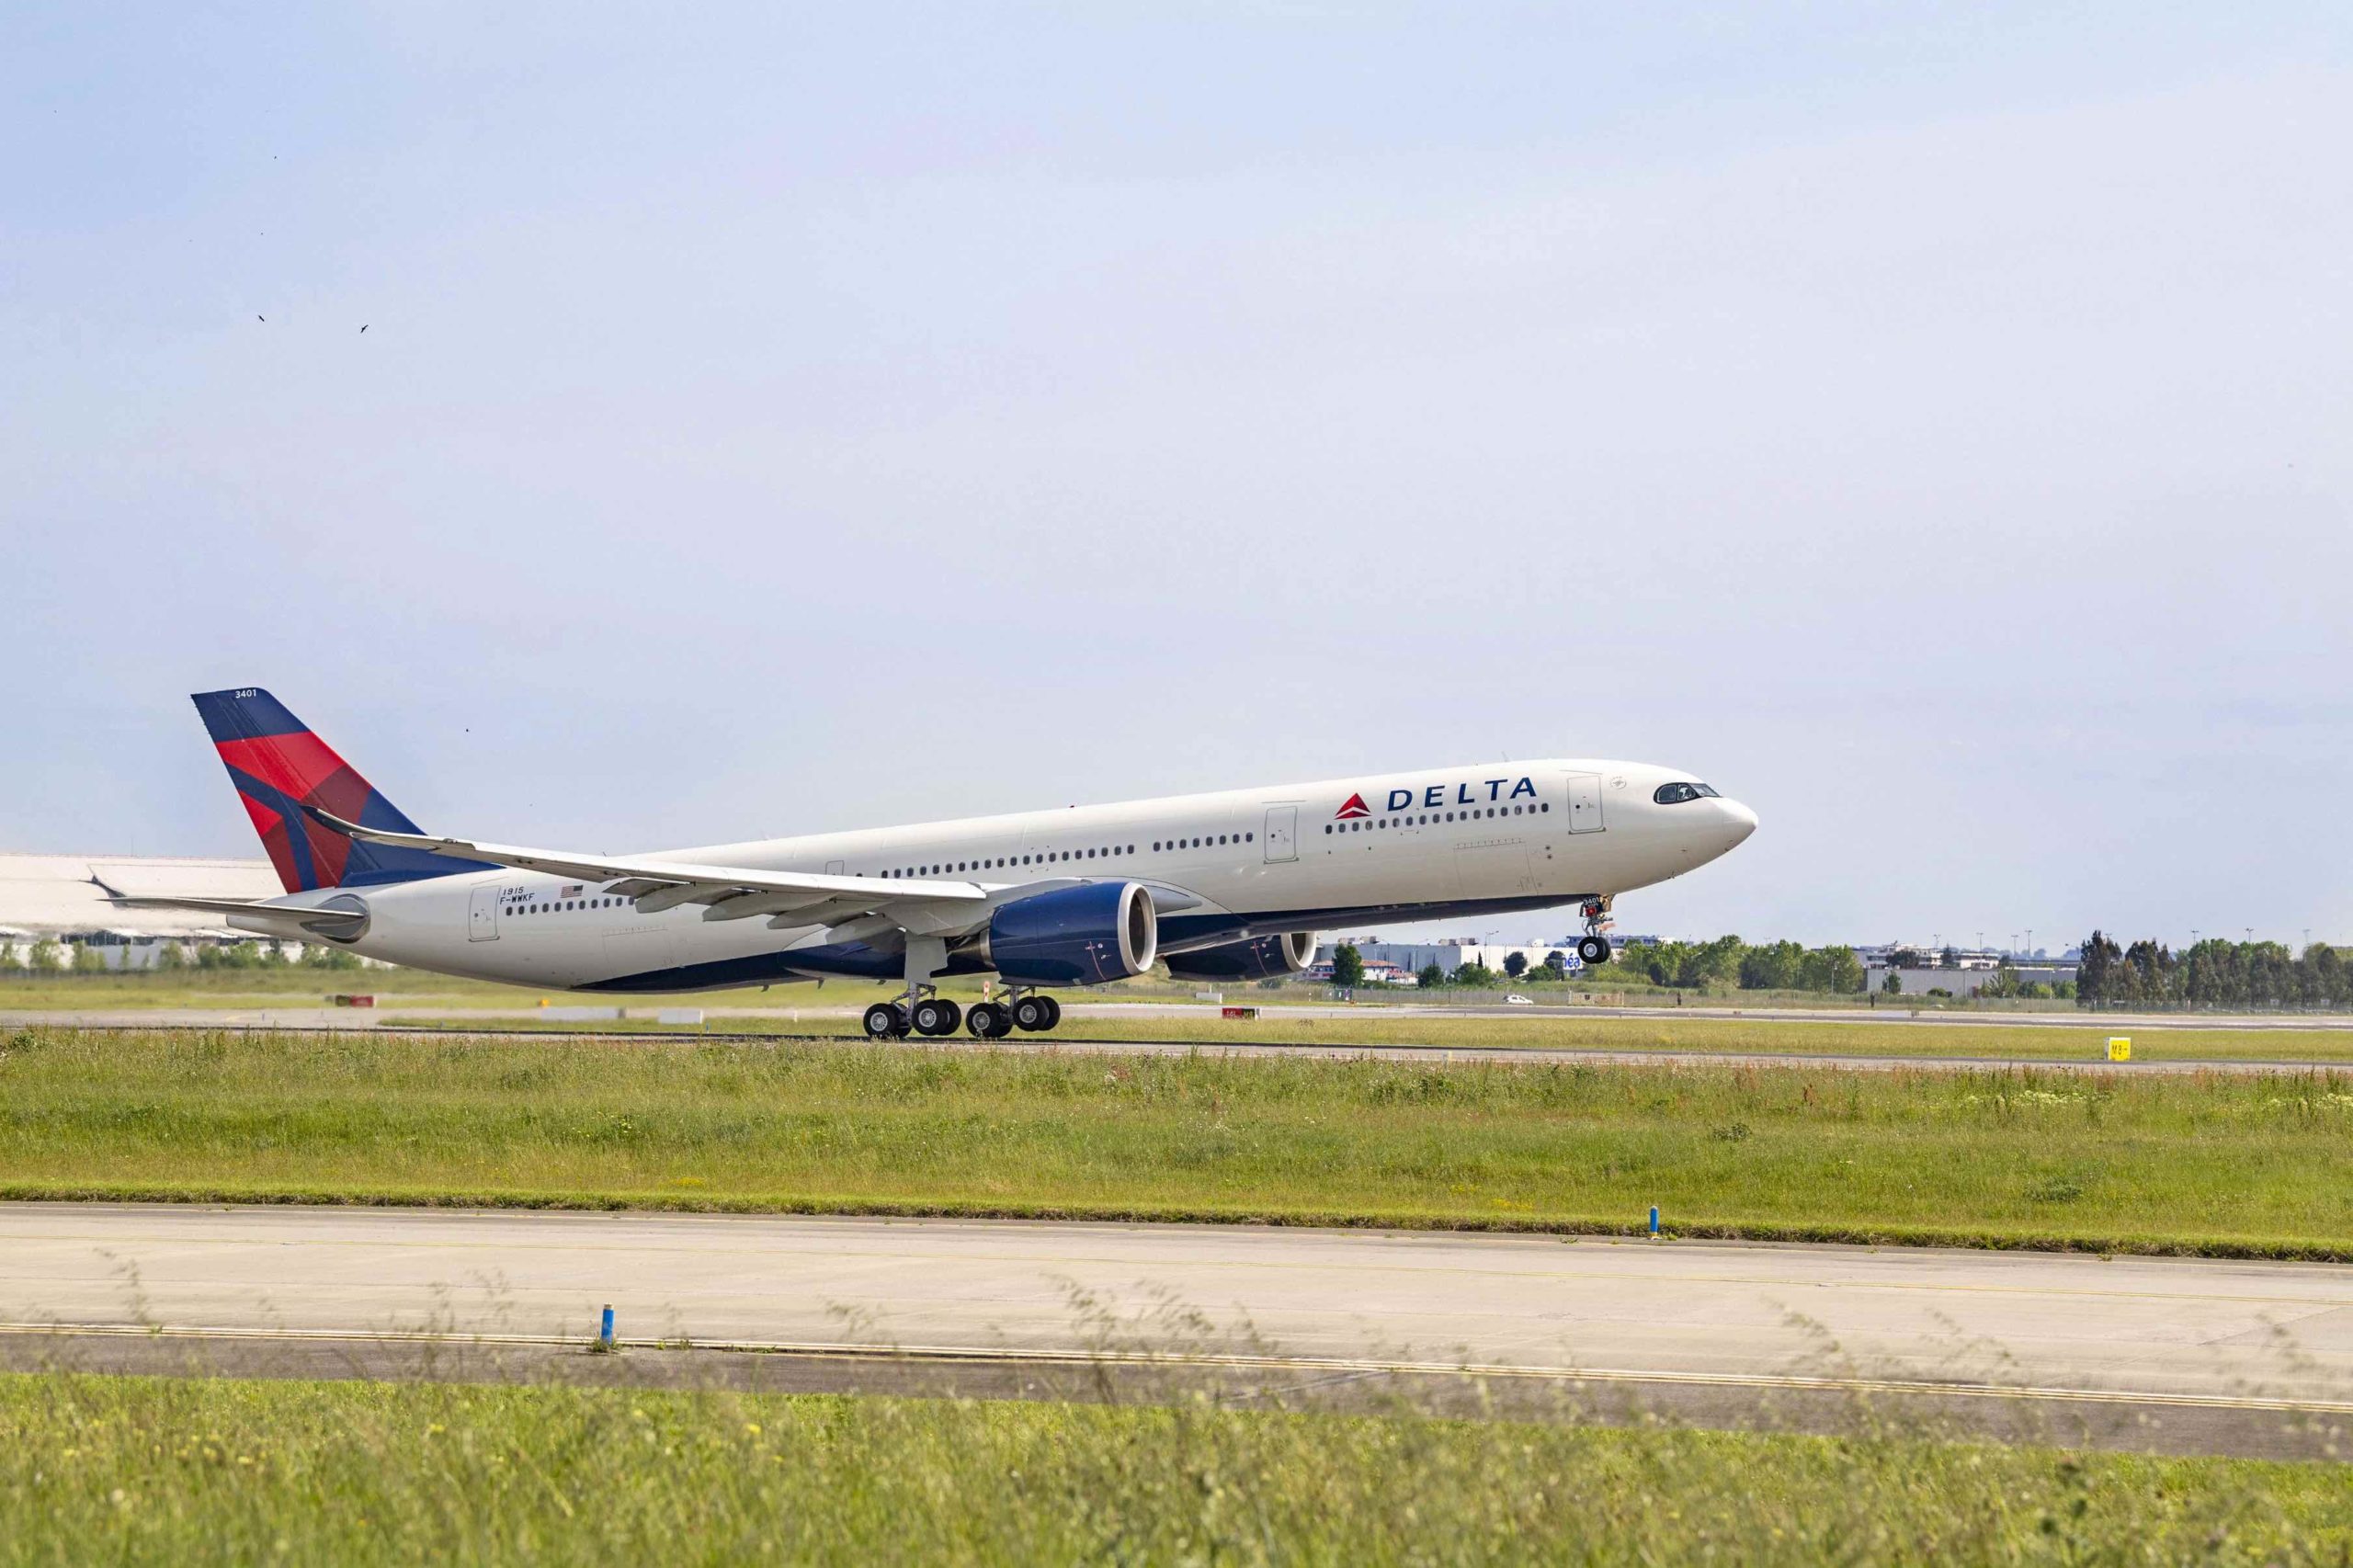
<point>665,884</point>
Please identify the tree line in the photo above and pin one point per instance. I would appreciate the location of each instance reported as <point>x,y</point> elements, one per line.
<point>49,956</point>
<point>2211,973</point>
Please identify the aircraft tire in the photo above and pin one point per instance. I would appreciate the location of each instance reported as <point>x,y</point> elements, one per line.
<point>1593,950</point>
<point>1035,1013</point>
<point>988,1020</point>
<point>1053,1012</point>
<point>884,1020</point>
<point>937,1016</point>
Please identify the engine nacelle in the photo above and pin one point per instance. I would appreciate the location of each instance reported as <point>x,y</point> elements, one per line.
<point>1261,957</point>
<point>1081,935</point>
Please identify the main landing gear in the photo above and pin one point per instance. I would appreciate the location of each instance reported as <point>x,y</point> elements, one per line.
<point>896,1020</point>
<point>1594,946</point>
<point>936,1015</point>
<point>995,1020</point>
<point>1036,1012</point>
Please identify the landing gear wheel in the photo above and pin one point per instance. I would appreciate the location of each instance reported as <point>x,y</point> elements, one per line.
<point>986,1020</point>
<point>1593,950</point>
<point>886,1020</point>
<point>1053,1012</point>
<point>937,1016</point>
<point>1035,1013</point>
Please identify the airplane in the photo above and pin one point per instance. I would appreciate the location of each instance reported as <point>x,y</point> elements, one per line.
<point>1225,887</point>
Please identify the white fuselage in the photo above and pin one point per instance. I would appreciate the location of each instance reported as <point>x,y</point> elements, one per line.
<point>1223,867</point>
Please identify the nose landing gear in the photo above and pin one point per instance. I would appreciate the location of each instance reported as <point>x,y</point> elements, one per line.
<point>1594,946</point>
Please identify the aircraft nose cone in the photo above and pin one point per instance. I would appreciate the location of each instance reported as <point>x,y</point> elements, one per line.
<point>1718,829</point>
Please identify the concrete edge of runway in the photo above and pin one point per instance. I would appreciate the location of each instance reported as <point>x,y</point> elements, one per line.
<point>1633,1229</point>
<point>2213,1425</point>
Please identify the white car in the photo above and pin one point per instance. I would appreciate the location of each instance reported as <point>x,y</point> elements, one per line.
<point>1516,1000</point>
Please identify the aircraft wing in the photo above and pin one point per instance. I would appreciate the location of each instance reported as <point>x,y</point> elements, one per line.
<point>729,891</point>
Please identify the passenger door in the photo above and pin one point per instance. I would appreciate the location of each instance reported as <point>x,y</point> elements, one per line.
<point>482,914</point>
<point>1282,836</point>
<point>1585,803</point>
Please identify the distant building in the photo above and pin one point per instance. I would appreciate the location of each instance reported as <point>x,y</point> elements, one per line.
<point>67,899</point>
<point>1924,955</point>
<point>1377,972</point>
<point>1922,967</point>
<point>1448,953</point>
<point>1918,980</point>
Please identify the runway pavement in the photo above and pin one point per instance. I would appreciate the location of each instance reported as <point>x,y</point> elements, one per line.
<point>2203,1344</point>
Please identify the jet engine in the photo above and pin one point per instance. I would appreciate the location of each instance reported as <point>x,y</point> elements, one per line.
<point>1261,957</point>
<point>1075,936</point>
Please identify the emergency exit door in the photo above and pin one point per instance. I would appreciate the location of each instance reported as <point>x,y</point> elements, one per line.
<point>1585,803</point>
<point>481,915</point>
<point>1282,834</point>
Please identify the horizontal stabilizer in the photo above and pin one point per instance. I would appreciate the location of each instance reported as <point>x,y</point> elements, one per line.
<point>324,921</point>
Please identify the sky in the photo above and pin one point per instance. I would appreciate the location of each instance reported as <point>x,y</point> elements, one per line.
<point>1929,424</point>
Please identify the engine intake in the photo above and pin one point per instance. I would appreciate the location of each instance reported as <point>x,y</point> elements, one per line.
<point>1080,935</point>
<point>1261,957</point>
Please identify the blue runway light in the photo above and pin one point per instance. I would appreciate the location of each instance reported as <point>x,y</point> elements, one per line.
<point>605,1331</point>
<point>1653,1231</point>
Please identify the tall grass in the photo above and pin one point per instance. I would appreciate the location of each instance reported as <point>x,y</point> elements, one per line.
<point>2187,1162</point>
<point>124,1470</point>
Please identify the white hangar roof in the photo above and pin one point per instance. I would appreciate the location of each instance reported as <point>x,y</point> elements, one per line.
<point>65,894</point>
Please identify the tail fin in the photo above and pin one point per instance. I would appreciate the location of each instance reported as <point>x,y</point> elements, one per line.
<point>279,766</point>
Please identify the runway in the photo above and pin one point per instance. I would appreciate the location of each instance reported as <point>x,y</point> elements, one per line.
<point>2191,1340</point>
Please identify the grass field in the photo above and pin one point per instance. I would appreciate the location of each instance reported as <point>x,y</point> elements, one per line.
<point>412,998</point>
<point>129,1470</point>
<point>1541,1031</point>
<point>2186,1163</point>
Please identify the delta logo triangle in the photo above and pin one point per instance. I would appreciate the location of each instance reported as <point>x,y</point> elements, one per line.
<point>1355,807</point>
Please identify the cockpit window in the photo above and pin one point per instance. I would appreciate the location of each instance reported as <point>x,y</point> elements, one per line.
<point>1676,793</point>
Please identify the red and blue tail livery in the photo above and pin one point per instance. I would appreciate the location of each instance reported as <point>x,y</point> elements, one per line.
<point>279,766</point>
